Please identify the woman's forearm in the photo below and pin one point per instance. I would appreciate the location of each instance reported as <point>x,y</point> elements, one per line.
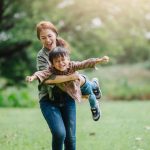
<point>54,79</point>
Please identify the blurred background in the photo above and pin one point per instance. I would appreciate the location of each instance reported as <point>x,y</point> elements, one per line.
<point>117,28</point>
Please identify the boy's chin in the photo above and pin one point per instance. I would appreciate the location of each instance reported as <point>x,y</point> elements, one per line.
<point>62,69</point>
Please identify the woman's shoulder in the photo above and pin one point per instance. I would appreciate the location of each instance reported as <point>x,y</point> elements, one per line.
<point>40,52</point>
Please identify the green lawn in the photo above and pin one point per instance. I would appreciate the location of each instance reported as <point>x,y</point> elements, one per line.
<point>123,126</point>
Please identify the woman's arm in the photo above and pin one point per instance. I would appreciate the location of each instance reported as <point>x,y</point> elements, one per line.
<point>54,79</point>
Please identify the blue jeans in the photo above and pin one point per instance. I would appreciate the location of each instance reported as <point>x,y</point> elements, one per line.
<point>61,119</point>
<point>87,89</point>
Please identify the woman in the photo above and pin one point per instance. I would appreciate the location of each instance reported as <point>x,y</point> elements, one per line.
<point>58,108</point>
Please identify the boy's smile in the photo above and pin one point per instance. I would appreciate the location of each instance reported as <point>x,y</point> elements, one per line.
<point>61,63</point>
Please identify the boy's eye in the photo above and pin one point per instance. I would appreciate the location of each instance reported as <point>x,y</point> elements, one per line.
<point>55,61</point>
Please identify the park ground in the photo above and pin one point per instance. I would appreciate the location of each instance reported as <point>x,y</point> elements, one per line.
<point>123,126</point>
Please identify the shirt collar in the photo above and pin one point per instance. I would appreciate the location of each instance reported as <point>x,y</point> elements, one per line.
<point>46,51</point>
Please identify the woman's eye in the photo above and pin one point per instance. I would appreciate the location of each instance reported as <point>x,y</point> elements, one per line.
<point>43,38</point>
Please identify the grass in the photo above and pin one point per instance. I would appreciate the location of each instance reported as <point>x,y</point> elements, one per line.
<point>123,126</point>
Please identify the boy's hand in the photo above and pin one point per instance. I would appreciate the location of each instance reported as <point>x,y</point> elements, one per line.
<point>30,78</point>
<point>105,59</point>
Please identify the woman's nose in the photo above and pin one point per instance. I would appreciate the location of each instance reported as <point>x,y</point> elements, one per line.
<point>48,39</point>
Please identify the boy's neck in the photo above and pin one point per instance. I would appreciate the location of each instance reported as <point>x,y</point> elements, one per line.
<point>59,70</point>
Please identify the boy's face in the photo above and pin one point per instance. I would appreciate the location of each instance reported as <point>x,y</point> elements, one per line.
<point>61,63</point>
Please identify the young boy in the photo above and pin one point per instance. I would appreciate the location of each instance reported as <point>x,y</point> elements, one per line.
<point>61,65</point>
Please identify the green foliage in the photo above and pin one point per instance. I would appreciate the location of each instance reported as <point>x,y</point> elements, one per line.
<point>126,91</point>
<point>19,97</point>
<point>119,29</point>
<point>14,40</point>
<point>124,82</point>
<point>115,28</point>
<point>147,65</point>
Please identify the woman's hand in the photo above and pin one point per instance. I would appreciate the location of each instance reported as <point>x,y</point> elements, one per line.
<point>30,78</point>
<point>62,78</point>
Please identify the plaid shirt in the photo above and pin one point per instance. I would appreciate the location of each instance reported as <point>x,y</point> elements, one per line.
<point>71,87</point>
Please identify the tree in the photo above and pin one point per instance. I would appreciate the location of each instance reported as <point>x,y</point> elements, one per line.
<point>14,60</point>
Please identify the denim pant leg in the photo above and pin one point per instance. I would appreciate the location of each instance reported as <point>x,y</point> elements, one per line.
<point>86,89</point>
<point>93,85</point>
<point>69,118</point>
<point>56,120</point>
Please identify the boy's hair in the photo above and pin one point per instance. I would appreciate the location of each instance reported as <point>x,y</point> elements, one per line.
<point>58,52</point>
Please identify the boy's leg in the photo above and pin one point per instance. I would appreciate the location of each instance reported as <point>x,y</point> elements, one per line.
<point>86,89</point>
<point>96,112</point>
<point>96,88</point>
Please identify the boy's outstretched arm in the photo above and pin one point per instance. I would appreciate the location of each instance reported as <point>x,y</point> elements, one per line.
<point>88,63</point>
<point>104,59</point>
<point>31,78</point>
<point>47,78</point>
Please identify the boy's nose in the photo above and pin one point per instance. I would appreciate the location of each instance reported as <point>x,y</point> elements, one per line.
<point>61,63</point>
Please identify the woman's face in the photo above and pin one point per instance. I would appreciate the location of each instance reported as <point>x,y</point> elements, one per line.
<point>48,38</point>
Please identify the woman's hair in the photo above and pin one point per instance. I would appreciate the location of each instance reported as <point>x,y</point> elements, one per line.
<point>48,25</point>
<point>58,52</point>
<point>45,25</point>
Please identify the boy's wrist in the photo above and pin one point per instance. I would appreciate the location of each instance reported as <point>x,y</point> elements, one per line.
<point>34,77</point>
